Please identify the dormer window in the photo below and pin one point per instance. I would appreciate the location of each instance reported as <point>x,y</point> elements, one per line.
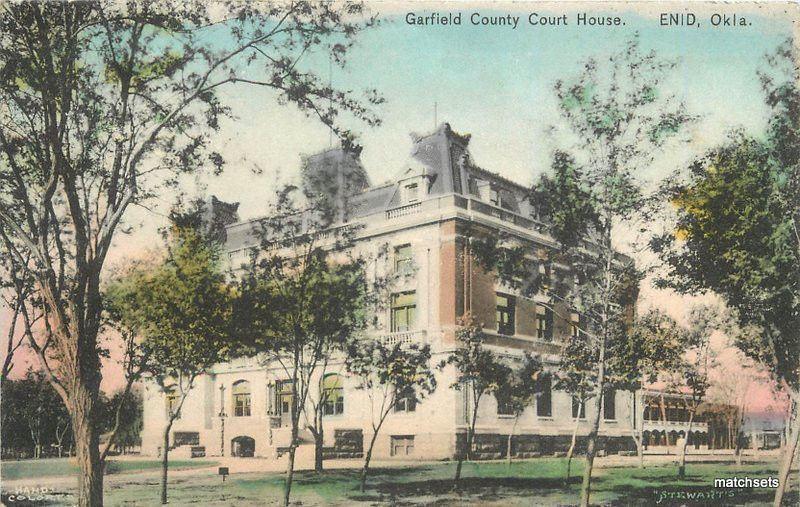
<point>494,196</point>
<point>412,192</point>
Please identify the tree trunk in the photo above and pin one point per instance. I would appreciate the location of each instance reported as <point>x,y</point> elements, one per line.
<point>468,450</point>
<point>571,450</point>
<point>640,449</point>
<point>682,465</point>
<point>787,459</point>
<point>319,441</point>
<point>738,451</point>
<point>591,444</point>
<point>287,490</point>
<point>87,449</point>
<point>367,458</point>
<point>508,443</point>
<point>165,463</point>
<point>637,423</point>
<point>591,450</point>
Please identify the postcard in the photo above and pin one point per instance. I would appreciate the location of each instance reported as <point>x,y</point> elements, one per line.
<point>356,252</point>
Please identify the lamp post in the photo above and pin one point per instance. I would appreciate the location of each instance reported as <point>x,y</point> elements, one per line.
<point>222,416</point>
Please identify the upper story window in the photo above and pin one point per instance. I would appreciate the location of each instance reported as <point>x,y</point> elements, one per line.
<point>544,322</point>
<point>285,390</point>
<point>575,324</point>
<point>171,403</point>
<point>504,407</point>
<point>403,259</point>
<point>494,196</point>
<point>610,405</point>
<point>404,311</point>
<point>405,402</point>
<point>545,277</point>
<point>544,402</point>
<point>241,398</point>
<point>411,191</point>
<point>505,311</point>
<point>578,408</point>
<point>332,394</point>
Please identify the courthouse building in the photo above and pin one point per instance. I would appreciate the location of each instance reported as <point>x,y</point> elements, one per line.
<point>424,219</point>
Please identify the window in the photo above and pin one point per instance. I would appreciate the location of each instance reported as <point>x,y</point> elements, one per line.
<point>332,395</point>
<point>405,403</point>
<point>544,402</point>
<point>171,403</point>
<point>403,259</point>
<point>575,324</point>
<point>241,398</point>
<point>578,408</point>
<point>505,314</point>
<point>494,196</point>
<point>404,311</point>
<point>185,438</point>
<point>272,396</point>
<point>609,405</point>
<point>285,394</point>
<point>544,276</point>
<point>544,322</point>
<point>412,192</point>
<point>402,445</point>
<point>504,407</point>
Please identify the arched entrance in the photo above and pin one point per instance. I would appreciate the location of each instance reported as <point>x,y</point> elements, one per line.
<point>243,447</point>
<point>672,438</point>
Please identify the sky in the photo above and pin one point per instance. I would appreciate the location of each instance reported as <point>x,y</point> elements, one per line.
<point>492,82</point>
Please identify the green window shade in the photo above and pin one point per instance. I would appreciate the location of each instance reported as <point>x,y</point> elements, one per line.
<point>333,394</point>
<point>404,312</point>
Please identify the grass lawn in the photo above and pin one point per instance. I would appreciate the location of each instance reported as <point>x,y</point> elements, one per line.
<point>54,467</point>
<point>527,482</point>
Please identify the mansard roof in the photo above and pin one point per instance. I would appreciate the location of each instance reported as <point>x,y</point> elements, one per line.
<point>440,158</point>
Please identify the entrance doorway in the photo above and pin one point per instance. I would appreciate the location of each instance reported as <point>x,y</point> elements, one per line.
<point>243,447</point>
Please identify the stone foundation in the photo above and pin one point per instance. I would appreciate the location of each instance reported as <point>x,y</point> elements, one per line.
<point>346,444</point>
<point>494,445</point>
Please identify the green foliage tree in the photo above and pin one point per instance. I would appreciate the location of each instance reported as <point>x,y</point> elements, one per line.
<point>478,372</point>
<point>575,377</point>
<point>105,105</point>
<point>389,375</point>
<point>689,375</point>
<point>129,422</point>
<point>617,119</point>
<point>736,234</point>
<point>33,418</point>
<point>518,392</point>
<point>181,312</point>
<point>301,298</point>
<point>655,344</point>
